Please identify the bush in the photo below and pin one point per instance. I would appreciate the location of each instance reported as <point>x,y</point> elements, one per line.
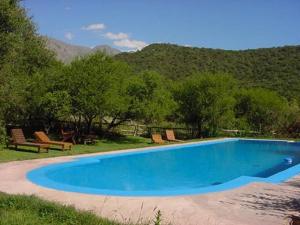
<point>206,102</point>
<point>264,110</point>
<point>2,132</point>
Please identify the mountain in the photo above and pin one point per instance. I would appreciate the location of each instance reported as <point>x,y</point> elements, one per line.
<point>66,52</point>
<point>273,68</point>
<point>107,49</point>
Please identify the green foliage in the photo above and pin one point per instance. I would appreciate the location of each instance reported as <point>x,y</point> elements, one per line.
<point>158,219</point>
<point>13,104</point>
<point>277,69</point>
<point>96,85</point>
<point>56,105</point>
<point>30,210</point>
<point>292,116</point>
<point>264,110</point>
<point>102,87</point>
<point>22,53</point>
<point>2,132</point>
<point>49,99</point>
<point>21,50</point>
<point>206,102</point>
<point>118,108</point>
<point>151,101</point>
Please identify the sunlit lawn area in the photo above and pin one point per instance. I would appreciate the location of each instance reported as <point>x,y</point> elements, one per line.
<point>103,145</point>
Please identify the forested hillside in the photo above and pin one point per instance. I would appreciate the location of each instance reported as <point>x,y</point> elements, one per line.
<point>274,68</point>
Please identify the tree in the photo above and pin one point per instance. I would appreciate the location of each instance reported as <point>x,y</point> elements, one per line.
<point>292,122</point>
<point>21,49</point>
<point>105,88</point>
<point>151,101</point>
<point>118,101</point>
<point>206,102</point>
<point>22,54</point>
<point>91,82</point>
<point>2,132</point>
<point>46,97</point>
<point>143,97</point>
<point>264,110</point>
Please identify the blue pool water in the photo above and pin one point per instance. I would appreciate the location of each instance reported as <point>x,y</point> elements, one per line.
<point>175,170</point>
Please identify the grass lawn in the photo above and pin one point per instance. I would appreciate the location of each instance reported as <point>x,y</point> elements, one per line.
<point>30,210</point>
<point>103,145</point>
<point>24,153</point>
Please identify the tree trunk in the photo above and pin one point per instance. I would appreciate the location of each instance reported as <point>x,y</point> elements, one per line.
<point>114,124</point>
<point>199,128</point>
<point>89,121</point>
<point>111,124</point>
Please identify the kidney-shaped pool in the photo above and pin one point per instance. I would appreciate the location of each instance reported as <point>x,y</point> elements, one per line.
<point>193,168</point>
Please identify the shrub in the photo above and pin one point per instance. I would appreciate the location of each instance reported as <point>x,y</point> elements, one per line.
<point>2,132</point>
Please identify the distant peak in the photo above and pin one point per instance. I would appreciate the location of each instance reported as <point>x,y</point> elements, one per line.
<point>102,46</point>
<point>67,52</point>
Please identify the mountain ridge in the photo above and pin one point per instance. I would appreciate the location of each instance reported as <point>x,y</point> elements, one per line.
<point>276,68</point>
<point>67,52</point>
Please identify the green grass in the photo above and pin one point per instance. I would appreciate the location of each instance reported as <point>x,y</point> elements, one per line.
<point>30,210</point>
<point>24,153</point>
<point>104,145</point>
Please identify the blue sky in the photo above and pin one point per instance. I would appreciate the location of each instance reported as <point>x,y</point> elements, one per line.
<point>133,24</point>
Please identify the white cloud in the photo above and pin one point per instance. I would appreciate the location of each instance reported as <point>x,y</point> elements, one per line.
<point>117,36</point>
<point>94,27</point>
<point>69,36</point>
<point>132,44</point>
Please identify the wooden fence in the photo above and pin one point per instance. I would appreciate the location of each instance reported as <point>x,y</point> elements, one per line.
<point>130,129</point>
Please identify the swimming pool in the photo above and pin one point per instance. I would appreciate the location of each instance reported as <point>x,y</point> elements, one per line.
<point>185,169</point>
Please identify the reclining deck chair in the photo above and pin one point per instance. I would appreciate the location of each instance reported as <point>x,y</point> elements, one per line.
<point>171,136</point>
<point>18,139</point>
<point>157,139</point>
<point>44,139</point>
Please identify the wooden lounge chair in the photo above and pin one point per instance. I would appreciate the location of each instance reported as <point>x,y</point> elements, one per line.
<point>157,139</point>
<point>68,136</point>
<point>42,138</point>
<point>171,136</point>
<point>294,220</point>
<point>89,138</point>
<point>18,139</point>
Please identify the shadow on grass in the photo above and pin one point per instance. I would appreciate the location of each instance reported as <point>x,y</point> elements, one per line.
<point>24,150</point>
<point>32,150</point>
<point>125,140</point>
